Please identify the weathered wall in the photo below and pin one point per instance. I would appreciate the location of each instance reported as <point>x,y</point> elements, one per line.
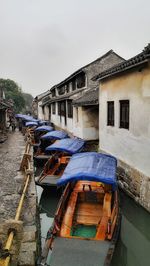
<point>132,146</point>
<point>86,122</point>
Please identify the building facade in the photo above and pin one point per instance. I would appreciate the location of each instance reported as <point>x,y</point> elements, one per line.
<point>66,110</point>
<point>124,106</point>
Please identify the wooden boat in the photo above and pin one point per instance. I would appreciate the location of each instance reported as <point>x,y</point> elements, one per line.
<point>86,222</point>
<point>60,151</point>
<point>38,132</point>
<point>41,156</point>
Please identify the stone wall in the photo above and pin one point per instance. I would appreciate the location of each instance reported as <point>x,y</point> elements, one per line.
<point>135,184</point>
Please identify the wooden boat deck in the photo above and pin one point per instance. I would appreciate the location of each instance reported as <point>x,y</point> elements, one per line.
<point>70,251</point>
<point>89,213</point>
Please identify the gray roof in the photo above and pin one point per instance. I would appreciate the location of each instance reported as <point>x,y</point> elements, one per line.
<point>82,68</point>
<point>133,62</point>
<point>89,97</point>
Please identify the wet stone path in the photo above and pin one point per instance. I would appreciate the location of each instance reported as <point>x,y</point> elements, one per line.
<point>10,157</point>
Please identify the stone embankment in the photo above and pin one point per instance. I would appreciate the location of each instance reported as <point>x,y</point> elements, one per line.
<point>24,249</point>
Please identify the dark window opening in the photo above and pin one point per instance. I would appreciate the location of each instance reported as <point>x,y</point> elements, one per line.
<point>43,110</point>
<point>63,108</point>
<point>53,108</point>
<point>59,108</point>
<point>110,113</point>
<point>70,108</point>
<point>67,87</point>
<point>61,90</point>
<point>54,93</point>
<point>73,84</point>
<point>81,81</point>
<point>124,114</point>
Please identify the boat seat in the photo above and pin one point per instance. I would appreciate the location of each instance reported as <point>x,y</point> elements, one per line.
<point>68,217</point>
<point>102,227</point>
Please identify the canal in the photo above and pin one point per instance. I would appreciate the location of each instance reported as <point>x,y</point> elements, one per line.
<point>133,248</point>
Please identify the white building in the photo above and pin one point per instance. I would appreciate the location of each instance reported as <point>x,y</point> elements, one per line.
<point>124,106</point>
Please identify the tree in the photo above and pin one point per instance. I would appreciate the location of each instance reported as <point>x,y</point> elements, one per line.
<point>14,92</point>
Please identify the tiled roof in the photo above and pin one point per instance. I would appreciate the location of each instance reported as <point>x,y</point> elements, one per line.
<point>63,97</point>
<point>82,68</point>
<point>89,97</point>
<point>126,65</point>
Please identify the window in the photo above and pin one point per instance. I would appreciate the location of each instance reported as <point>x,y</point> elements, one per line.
<point>67,87</point>
<point>53,108</point>
<point>70,108</point>
<point>110,113</point>
<point>61,90</point>
<point>59,108</point>
<point>73,84</point>
<point>63,108</point>
<point>81,80</point>
<point>124,114</point>
<point>53,92</point>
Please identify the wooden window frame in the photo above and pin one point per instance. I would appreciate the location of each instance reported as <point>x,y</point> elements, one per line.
<point>110,113</point>
<point>124,113</point>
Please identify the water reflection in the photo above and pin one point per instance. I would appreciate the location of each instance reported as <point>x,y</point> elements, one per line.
<point>133,248</point>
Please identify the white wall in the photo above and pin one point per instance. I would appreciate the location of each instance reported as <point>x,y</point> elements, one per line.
<point>86,122</point>
<point>40,112</point>
<point>131,146</point>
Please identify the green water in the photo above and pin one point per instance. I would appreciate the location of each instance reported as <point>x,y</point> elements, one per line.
<point>133,248</point>
<point>84,231</point>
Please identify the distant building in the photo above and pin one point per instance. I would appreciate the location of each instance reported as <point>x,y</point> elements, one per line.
<point>124,106</point>
<point>38,109</point>
<point>73,103</point>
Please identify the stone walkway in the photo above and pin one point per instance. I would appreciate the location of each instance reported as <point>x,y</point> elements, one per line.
<point>24,249</point>
<point>10,157</point>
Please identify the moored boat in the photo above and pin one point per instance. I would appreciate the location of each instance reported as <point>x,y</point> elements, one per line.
<point>41,156</point>
<point>38,132</point>
<point>86,222</point>
<point>61,151</point>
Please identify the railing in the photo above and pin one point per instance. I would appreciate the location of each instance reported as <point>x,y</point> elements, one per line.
<point>26,168</point>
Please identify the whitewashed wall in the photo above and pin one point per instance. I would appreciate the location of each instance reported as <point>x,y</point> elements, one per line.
<point>131,146</point>
<point>86,123</point>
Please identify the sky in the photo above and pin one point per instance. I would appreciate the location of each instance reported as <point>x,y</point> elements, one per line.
<point>44,41</point>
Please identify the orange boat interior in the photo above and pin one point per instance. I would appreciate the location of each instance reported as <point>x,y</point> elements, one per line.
<point>55,166</point>
<point>91,212</point>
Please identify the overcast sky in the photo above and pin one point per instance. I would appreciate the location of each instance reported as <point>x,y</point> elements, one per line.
<point>44,41</point>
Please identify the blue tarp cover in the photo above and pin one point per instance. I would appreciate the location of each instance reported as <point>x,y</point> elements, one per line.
<point>44,128</point>
<point>26,117</point>
<point>56,134</point>
<point>91,166</point>
<point>30,124</point>
<point>68,145</point>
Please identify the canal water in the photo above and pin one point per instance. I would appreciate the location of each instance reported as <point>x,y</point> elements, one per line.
<point>133,248</point>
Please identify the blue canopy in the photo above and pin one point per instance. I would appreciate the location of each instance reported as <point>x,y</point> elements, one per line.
<point>42,122</point>
<point>26,117</point>
<point>56,134</point>
<point>31,124</point>
<point>44,128</point>
<point>91,166</point>
<point>68,145</point>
